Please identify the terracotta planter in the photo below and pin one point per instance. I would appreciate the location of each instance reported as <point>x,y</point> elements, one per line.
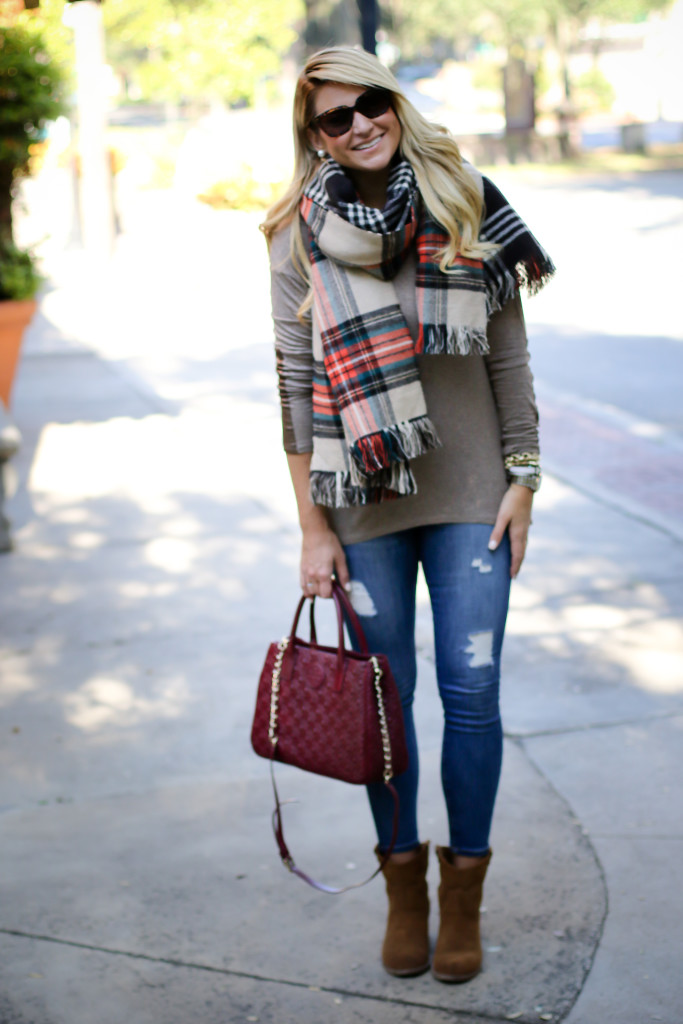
<point>15,316</point>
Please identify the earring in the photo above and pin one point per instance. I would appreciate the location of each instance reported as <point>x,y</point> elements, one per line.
<point>321,153</point>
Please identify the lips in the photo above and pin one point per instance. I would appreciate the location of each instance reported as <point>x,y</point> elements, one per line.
<point>369,145</point>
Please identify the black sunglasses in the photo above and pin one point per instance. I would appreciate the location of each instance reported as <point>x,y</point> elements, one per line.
<point>338,121</point>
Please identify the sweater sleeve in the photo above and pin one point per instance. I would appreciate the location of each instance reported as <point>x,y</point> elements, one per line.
<point>511,380</point>
<point>293,348</point>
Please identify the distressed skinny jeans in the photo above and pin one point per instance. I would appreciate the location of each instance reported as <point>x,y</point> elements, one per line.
<point>469,589</point>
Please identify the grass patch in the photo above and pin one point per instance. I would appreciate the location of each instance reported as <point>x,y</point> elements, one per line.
<point>242,192</point>
<point>601,162</point>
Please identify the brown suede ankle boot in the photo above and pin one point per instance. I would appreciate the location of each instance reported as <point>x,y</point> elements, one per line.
<point>457,956</point>
<point>406,943</point>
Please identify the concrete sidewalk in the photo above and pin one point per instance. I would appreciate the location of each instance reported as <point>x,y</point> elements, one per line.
<point>156,552</point>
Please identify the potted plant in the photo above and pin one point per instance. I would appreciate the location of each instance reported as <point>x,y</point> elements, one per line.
<point>31,94</point>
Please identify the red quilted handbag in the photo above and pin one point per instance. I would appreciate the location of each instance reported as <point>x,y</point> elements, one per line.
<point>331,711</point>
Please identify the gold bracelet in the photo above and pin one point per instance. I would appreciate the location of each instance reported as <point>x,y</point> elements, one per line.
<point>523,459</point>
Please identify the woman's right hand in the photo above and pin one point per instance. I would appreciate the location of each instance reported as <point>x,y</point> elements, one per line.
<point>321,556</point>
<point>321,550</point>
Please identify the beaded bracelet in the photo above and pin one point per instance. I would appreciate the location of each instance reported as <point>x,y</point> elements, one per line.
<point>527,459</point>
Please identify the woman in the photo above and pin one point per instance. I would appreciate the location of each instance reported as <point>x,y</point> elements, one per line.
<point>404,375</point>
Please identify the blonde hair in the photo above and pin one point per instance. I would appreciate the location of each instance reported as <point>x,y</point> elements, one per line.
<point>448,190</point>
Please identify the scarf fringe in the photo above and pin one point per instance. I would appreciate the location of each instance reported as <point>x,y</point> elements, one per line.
<point>498,297</point>
<point>405,440</point>
<point>534,275</point>
<point>338,490</point>
<point>529,277</point>
<point>460,341</point>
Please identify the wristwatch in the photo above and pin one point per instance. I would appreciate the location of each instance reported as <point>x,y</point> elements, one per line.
<point>531,480</point>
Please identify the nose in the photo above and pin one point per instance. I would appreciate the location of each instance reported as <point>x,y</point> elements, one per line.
<point>361,123</point>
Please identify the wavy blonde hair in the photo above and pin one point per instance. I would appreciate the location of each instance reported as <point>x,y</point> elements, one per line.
<point>448,190</point>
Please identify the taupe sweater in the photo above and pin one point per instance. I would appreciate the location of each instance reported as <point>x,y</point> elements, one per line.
<point>483,408</point>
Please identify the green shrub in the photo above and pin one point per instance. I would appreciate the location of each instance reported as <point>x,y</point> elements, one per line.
<point>595,90</point>
<point>19,278</point>
<point>31,94</point>
<point>242,192</point>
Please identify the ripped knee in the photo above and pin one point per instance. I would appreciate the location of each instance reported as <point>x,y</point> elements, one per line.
<point>480,648</point>
<point>361,600</point>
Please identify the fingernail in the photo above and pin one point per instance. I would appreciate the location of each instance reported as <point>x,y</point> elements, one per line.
<point>493,544</point>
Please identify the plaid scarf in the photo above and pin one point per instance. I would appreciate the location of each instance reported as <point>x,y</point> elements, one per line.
<point>369,412</point>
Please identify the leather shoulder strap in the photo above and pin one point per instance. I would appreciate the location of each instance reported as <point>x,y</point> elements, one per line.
<point>288,860</point>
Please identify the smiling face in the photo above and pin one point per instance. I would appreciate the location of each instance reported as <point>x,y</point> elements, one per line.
<point>369,146</point>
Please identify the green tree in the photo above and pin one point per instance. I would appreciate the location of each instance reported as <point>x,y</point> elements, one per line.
<point>48,22</point>
<point>181,49</point>
<point>31,94</point>
<point>331,22</point>
<point>443,28</point>
<point>430,28</point>
<point>609,10</point>
<point>567,17</point>
<point>433,26</point>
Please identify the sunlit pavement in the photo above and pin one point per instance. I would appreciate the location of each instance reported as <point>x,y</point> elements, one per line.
<point>156,552</point>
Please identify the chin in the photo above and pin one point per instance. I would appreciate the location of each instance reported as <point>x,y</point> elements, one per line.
<point>374,160</point>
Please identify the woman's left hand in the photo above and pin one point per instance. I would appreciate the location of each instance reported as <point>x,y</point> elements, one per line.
<point>514,515</point>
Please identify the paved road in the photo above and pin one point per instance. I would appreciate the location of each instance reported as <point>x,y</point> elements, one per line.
<point>607,338</point>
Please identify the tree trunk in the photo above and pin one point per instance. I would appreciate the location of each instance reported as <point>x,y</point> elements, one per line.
<point>6,180</point>
<point>559,32</point>
<point>368,24</point>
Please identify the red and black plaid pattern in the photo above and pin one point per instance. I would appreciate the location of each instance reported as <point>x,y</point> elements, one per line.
<point>369,413</point>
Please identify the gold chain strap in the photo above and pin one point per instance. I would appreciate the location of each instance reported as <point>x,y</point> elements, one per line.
<point>384,728</point>
<point>275,690</point>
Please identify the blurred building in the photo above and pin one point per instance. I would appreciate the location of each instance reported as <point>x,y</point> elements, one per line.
<point>640,61</point>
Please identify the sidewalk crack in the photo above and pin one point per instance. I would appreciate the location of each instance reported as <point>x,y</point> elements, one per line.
<point>519,735</point>
<point>466,1015</point>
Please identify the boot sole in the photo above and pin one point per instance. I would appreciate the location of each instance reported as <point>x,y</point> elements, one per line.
<point>406,972</point>
<point>455,978</point>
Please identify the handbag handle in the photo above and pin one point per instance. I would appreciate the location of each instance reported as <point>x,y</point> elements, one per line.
<point>343,607</point>
<point>341,598</point>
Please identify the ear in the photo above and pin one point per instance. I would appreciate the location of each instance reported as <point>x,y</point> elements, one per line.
<point>315,139</point>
